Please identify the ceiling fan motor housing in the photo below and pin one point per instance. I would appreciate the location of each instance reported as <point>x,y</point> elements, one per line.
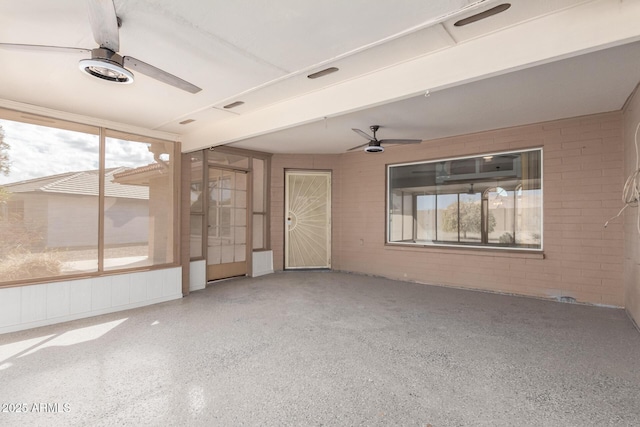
<point>373,149</point>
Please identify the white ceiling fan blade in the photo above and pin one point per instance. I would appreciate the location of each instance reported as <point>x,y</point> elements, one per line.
<point>158,74</point>
<point>104,23</point>
<point>363,134</point>
<point>400,141</point>
<point>42,48</point>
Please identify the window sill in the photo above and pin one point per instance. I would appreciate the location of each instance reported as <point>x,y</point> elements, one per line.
<point>474,251</point>
<point>81,276</point>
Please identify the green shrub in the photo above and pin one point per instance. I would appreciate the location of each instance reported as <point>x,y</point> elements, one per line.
<point>20,266</point>
<point>506,238</point>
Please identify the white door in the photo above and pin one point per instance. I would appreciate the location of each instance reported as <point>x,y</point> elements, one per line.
<point>307,219</point>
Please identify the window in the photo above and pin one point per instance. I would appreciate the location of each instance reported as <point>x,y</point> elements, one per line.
<point>138,201</point>
<point>220,197</point>
<point>257,164</point>
<point>259,204</point>
<point>196,199</point>
<point>493,200</point>
<point>66,210</point>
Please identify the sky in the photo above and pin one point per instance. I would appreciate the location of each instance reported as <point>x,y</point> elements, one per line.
<point>37,151</point>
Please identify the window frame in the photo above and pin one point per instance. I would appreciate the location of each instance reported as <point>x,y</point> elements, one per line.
<point>484,247</point>
<point>201,214</point>
<point>103,131</point>
<point>249,169</point>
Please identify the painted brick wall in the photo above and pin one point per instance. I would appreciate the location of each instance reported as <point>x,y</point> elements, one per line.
<point>632,238</point>
<point>583,179</point>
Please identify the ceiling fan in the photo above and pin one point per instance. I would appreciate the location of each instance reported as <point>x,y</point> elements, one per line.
<point>105,62</point>
<point>374,144</point>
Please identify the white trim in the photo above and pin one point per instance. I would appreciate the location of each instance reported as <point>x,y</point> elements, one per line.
<point>262,263</point>
<point>197,275</point>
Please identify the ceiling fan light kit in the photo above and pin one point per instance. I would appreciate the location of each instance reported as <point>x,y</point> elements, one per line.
<point>107,65</point>
<point>373,149</point>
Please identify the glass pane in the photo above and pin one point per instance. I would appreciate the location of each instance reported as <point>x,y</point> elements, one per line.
<point>240,199</point>
<point>529,202</point>
<point>528,217</point>
<point>48,200</point>
<point>241,181</point>
<point>240,253</point>
<point>228,179</point>
<point>214,255</point>
<point>258,231</point>
<point>223,159</point>
<point>501,220</point>
<point>196,197</point>
<point>395,216</point>
<point>215,175</point>
<point>258,186</point>
<point>213,218</point>
<point>470,217</point>
<point>139,200</point>
<point>214,236</point>
<point>240,217</point>
<point>228,252</point>
<point>225,217</point>
<point>240,234</point>
<point>195,236</point>
<point>426,218</point>
<point>447,211</point>
<point>407,217</point>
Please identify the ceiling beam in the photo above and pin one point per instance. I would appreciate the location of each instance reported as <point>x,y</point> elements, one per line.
<point>582,29</point>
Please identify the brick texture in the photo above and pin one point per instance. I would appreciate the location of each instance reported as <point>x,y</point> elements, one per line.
<point>583,178</point>
<point>631,271</point>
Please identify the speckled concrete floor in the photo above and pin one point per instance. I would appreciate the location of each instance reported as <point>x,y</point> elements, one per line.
<point>321,348</point>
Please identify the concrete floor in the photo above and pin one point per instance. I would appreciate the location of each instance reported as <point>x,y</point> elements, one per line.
<point>324,348</point>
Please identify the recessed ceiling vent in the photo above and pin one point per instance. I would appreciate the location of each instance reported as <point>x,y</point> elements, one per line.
<point>186,122</point>
<point>483,15</point>
<point>322,73</point>
<point>233,105</point>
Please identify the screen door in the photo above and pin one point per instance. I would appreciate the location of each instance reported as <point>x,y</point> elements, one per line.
<point>307,219</point>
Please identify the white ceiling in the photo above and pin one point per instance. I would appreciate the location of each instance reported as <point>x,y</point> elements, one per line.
<point>539,60</point>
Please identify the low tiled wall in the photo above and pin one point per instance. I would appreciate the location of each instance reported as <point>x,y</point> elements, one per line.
<point>31,306</point>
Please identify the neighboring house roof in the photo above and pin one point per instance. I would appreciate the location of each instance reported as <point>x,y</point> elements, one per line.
<point>81,183</point>
<point>140,175</point>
